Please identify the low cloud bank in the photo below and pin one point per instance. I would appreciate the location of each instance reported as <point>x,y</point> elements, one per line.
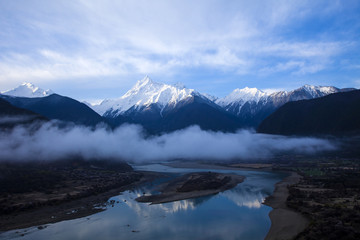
<point>129,143</point>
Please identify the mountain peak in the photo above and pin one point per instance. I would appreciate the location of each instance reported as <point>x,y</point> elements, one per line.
<point>147,81</point>
<point>248,91</point>
<point>242,95</point>
<point>145,92</point>
<point>29,90</point>
<point>310,88</point>
<point>144,85</point>
<point>318,91</point>
<point>27,84</point>
<point>144,81</point>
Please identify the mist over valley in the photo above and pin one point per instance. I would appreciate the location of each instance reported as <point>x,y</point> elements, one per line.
<point>179,120</point>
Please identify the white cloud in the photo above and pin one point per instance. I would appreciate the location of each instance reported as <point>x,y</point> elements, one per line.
<point>128,143</point>
<point>291,65</point>
<point>87,39</point>
<point>304,49</point>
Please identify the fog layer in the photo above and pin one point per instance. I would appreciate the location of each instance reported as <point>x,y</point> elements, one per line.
<point>129,143</point>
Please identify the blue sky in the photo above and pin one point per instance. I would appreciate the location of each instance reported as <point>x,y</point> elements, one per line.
<point>99,49</point>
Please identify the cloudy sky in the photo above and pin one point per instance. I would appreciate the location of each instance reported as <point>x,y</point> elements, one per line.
<point>99,49</point>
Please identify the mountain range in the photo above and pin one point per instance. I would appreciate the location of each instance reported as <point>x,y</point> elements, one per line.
<point>330,115</point>
<point>11,116</point>
<point>252,106</point>
<point>150,101</point>
<point>160,107</point>
<point>28,90</point>
<point>57,107</point>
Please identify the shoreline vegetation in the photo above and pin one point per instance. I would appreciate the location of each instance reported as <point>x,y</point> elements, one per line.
<point>329,195</point>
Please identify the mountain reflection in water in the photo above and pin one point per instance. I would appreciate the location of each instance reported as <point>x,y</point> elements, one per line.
<point>233,214</point>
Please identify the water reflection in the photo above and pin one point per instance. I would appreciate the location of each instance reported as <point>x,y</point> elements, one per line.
<point>233,214</point>
<point>246,196</point>
<point>145,209</point>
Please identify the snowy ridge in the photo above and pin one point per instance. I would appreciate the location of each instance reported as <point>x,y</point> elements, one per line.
<point>28,90</point>
<point>165,96</point>
<point>257,100</point>
<point>144,93</point>
<point>319,91</point>
<point>241,96</point>
<point>210,97</point>
<point>310,92</point>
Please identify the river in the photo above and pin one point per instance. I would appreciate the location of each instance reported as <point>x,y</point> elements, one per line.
<point>234,214</point>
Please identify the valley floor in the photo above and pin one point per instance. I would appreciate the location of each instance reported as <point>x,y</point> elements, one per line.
<point>319,200</point>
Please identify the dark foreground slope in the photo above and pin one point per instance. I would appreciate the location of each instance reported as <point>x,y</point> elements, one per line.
<point>335,114</point>
<point>58,107</point>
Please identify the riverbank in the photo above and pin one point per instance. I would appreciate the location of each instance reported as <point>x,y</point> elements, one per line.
<point>223,166</point>
<point>70,209</point>
<point>285,222</point>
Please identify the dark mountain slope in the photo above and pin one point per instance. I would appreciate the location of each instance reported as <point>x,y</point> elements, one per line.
<point>335,114</point>
<point>11,115</point>
<point>198,112</point>
<point>192,111</point>
<point>58,107</point>
<point>252,112</point>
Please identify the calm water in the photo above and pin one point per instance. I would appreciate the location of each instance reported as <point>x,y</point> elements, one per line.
<point>233,214</point>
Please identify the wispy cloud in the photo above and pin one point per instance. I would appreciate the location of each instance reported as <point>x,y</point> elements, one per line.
<point>89,39</point>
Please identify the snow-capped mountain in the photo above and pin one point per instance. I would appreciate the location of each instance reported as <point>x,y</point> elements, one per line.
<point>160,107</point>
<point>278,99</point>
<point>239,97</point>
<point>145,93</point>
<point>28,90</point>
<point>252,105</point>
<point>149,103</point>
<point>335,114</point>
<point>319,91</point>
<point>210,97</point>
<point>254,95</point>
